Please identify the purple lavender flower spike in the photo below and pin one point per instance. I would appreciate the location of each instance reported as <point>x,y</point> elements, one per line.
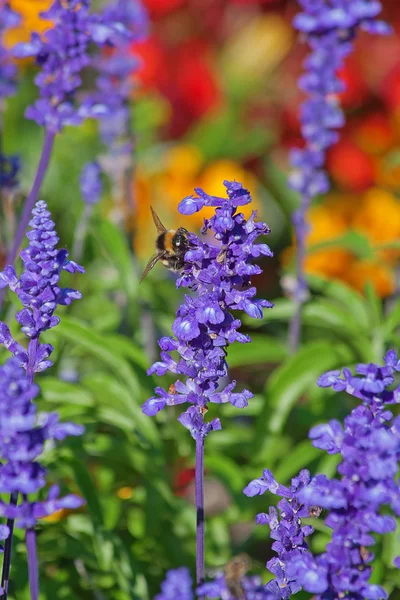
<point>9,165</point>
<point>177,586</point>
<point>287,530</point>
<point>115,84</point>
<point>22,438</point>
<point>38,289</point>
<point>220,277</point>
<point>329,28</point>
<point>22,432</point>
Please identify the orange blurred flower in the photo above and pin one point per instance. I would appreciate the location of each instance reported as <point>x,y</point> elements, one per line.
<point>375,215</point>
<point>29,11</point>
<point>359,272</point>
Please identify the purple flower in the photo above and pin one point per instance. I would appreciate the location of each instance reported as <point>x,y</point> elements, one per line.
<point>38,290</point>
<point>115,84</point>
<point>369,446</point>
<point>177,586</point>
<point>62,53</point>
<point>288,532</point>
<point>23,433</point>
<point>220,277</point>
<point>329,27</point>
<point>91,185</point>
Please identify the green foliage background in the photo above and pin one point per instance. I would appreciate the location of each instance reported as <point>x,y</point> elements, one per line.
<point>119,549</point>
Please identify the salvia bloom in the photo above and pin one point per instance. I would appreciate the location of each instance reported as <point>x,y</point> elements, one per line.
<point>61,54</point>
<point>329,27</point>
<point>23,432</point>
<point>369,446</point>
<point>220,275</point>
<point>8,70</point>
<point>289,534</point>
<point>38,290</point>
<point>177,585</point>
<point>9,165</point>
<point>115,85</point>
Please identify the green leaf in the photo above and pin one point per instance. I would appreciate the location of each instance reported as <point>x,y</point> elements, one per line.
<point>117,406</point>
<point>262,349</point>
<point>299,457</point>
<point>291,380</point>
<point>276,182</point>
<point>114,245</point>
<point>88,490</point>
<point>58,392</point>
<point>348,298</point>
<point>354,241</point>
<point>99,346</point>
<point>227,470</point>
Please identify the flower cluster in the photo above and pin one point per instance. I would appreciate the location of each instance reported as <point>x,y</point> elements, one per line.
<point>23,432</point>
<point>115,84</point>
<point>61,53</point>
<point>289,534</point>
<point>177,586</point>
<point>205,326</point>
<point>38,290</point>
<point>9,165</point>
<point>369,445</point>
<point>329,27</point>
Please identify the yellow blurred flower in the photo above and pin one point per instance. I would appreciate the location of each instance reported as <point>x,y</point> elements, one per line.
<point>29,11</point>
<point>376,215</point>
<point>165,182</point>
<point>325,224</point>
<point>378,218</point>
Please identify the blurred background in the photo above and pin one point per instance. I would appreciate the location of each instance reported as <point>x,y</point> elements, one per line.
<point>215,98</point>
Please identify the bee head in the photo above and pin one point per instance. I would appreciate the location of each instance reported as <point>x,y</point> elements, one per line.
<point>180,241</point>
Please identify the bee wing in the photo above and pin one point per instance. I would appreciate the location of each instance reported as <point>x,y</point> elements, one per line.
<point>159,226</point>
<point>152,262</point>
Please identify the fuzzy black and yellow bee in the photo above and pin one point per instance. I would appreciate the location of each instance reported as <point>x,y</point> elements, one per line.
<point>171,246</point>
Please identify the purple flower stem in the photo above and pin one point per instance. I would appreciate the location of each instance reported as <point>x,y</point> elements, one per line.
<point>200,568</point>
<point>30,201</point>
<point>5,576</point>
<point>32,564</point>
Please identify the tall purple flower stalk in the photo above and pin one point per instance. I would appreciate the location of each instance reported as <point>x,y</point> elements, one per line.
<point>220,277</point>
<point>329,26</point>
<point>357,503</point>
<point>23,432</point>
<point>61,54</point>
<point>114,86</point>
<point>9,165</point>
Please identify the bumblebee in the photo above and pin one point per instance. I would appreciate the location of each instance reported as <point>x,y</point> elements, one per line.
<point>234,572</point>
<point>171,246</point>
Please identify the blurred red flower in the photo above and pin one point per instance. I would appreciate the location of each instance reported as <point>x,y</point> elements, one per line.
<point>350,167</point>
<point>159,8</point>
